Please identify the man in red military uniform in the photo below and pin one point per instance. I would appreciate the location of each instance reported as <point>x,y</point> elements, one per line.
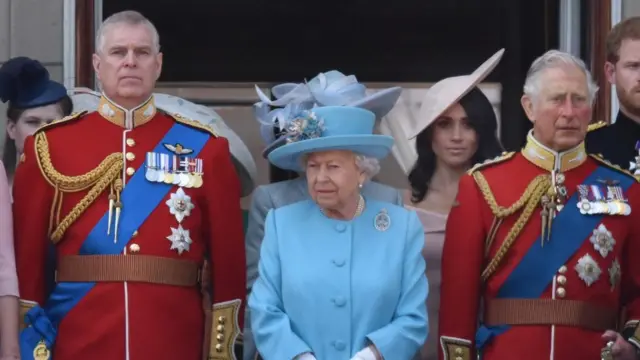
<point>539,254</point>
<point>134,200</point>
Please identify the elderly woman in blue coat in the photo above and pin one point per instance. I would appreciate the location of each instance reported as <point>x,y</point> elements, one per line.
<point>341,276</point>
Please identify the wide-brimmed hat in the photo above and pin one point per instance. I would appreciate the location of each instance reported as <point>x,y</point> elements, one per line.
<point>25,83</point>
<point>331,88</point>
<point>449,91</point>
<point>330,128</point>
<point>87,99</point>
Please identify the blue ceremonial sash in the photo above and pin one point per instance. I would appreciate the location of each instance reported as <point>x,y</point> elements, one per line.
<point>535,272</point>
<point>139,198</point>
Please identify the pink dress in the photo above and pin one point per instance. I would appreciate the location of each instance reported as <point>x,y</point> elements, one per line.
<point>434,225</point>
<point>8,277</point>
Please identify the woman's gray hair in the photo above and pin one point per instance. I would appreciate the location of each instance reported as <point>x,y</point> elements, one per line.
<point>128,17</point>
<point>368,165</point>
<point>554,59</point>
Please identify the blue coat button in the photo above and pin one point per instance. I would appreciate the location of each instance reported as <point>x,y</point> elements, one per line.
<point>339,301</point>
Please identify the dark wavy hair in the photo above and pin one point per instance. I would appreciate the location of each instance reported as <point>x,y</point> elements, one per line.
<point>10,152</point>
<point>482,119</point>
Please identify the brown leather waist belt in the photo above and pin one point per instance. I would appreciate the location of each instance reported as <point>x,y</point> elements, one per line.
<point>549,312</point>
<point>133,268</point>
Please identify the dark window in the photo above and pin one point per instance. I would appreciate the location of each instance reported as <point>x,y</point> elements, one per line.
<point>384,41</point>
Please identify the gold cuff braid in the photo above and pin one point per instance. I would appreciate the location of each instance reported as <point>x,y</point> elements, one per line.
<point>107,173</point>
<point>24,307</point>
<point>226,330</point>
<point>530,200</point>
<point>632,332</point>
<point>455,348</point>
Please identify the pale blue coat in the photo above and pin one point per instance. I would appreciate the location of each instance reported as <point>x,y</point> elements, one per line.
<point>330,287</point>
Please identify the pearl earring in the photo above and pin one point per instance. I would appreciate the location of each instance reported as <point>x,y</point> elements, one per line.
<point>360,186</point>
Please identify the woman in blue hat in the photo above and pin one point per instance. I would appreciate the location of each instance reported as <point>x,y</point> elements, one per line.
<point>341,276</point>
<point>34,100</point>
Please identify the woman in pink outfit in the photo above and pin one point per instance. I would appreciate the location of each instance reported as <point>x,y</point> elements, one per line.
<point>456,128</point>
<point>9,348</point>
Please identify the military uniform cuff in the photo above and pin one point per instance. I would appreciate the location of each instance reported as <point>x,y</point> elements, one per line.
<point>226,330</point>
<point>25,306</point>
<point>631,332</point>
<point>455,348</point>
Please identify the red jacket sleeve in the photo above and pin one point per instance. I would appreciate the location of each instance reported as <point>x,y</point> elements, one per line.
<point>630,269</point>
<point>32,198</point>
<point>462,261</point>
<point>226,234</point>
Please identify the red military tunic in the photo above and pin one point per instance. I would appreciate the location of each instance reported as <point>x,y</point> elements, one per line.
<point>131,320</point>
<point>590,276</point>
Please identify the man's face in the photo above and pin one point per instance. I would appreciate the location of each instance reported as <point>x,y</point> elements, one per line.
<point>561,111</point>
<point>625,75</point>
<point>128,64</point>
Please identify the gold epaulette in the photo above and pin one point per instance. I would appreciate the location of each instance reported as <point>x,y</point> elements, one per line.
<point>65,119</point>
<point>598,125</point>
<point>599,158</point>
<point>498,159</point>
<point>195,124</point>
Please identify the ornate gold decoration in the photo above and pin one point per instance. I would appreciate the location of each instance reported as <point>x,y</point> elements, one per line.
<point>117,115</point>
<point>607,163</point>
<point>226,330</point>
<point>529,200</point>
<point>107,173</point>
<point>503,157</point>
<point>597,125</point>
<point>65,119</point>
<point>196,124</point>
<point>41,352</point>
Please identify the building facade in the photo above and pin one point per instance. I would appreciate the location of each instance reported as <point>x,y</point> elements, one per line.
<point>59,34</point>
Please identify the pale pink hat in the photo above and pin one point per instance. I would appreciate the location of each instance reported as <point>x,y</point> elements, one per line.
<point>449,91</point>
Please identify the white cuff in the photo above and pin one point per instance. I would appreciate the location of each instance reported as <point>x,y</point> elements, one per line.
<point>365,354</point>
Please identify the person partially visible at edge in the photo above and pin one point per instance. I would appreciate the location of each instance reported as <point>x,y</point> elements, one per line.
<point>549,234</point>
<point>33,100</point>
<point>9,348</point>
<point>620,142</point>
<point>358,288</point>
<point>456,128</point>
<point>328,88</point>
<point>135,201</point>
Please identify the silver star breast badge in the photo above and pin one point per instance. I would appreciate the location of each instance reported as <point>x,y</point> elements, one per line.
<point>180,205</point>
<point>602,240</point>
<point>615,273</point>
<point>180,239</point>
<point>588,269</point>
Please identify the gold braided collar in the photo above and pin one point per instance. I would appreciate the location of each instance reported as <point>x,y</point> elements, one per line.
<point>550,160</point>
<point>128,119</point>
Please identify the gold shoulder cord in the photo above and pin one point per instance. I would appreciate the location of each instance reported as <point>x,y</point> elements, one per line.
<point>106,174</point>
<point>613,166</point>
<point>529,200</point>
<point>196,124</point>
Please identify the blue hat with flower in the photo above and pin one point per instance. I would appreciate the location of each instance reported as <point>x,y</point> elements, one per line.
<point>331,88</point>
<point>25,83</point>
<point>329,128</point>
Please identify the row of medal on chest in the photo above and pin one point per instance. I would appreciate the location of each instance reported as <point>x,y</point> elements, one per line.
<point>174,169</point>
